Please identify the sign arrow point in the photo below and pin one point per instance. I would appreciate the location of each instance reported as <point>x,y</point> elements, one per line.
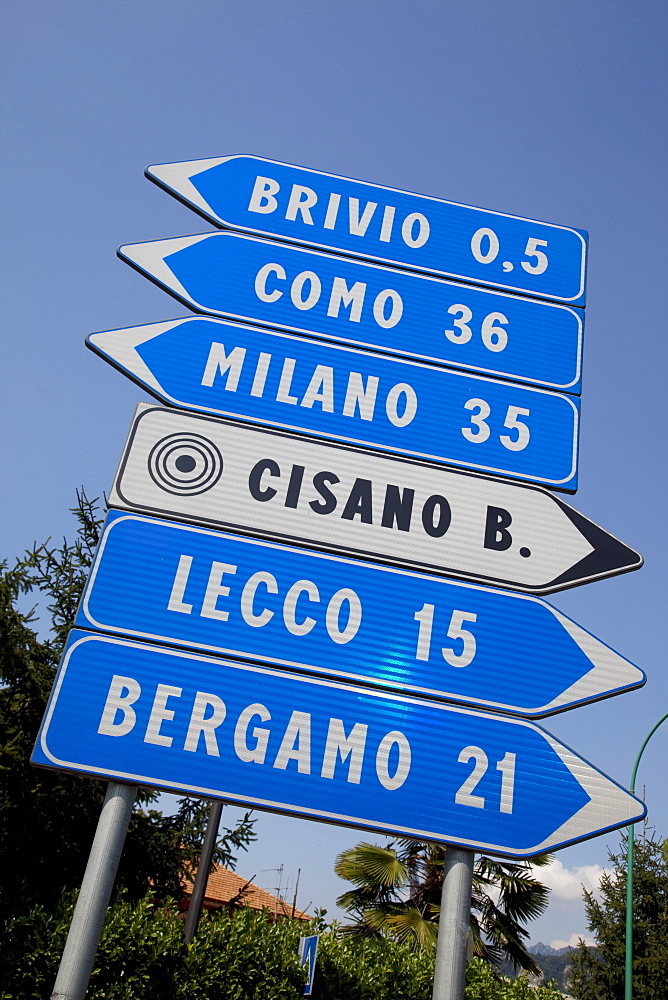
<point>175,178</point>
<point>118,347</point>
<point>609,804</point>
<point>609,555</point>
<point>150,259</point>
<point>606,664</point>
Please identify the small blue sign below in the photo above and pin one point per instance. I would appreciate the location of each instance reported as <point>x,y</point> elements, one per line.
<point>353,217</point>
<point>271,739</point>
<point>308,952</point>
<point>298,384</point>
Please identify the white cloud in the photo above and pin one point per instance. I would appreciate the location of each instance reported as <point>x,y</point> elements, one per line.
<point>567,883</point>
<point>573,939</point>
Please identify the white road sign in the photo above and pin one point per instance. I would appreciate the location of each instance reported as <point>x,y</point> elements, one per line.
<point>253,479</point>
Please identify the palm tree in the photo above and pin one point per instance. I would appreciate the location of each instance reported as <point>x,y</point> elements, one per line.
<point>398,890</point>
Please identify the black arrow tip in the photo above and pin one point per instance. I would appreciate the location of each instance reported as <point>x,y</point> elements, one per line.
<point>609,558</point>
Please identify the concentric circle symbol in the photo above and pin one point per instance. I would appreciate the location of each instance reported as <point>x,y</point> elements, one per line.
<point>185,464</point>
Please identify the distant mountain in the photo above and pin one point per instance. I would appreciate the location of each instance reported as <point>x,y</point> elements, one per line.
<point>541,949</point>
<point>552,962</point>
<point>547,949</point>
<point>555,966</point>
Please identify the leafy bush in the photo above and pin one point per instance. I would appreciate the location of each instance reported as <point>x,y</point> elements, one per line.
<point>351,968</point>
<point>31,947</point>
<point>239,957</point>
<point>141,956</point>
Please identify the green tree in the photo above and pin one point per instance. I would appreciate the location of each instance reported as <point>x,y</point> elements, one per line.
<point>48,818</point>
<point>598,973</point>
<point>398,890</point>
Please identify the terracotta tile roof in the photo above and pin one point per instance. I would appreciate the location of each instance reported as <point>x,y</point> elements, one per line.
<point>224,885</point>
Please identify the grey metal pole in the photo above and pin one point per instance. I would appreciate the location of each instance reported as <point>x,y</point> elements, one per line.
<point>83,937</point>
<point>202,876</point>
<point>453,926</point>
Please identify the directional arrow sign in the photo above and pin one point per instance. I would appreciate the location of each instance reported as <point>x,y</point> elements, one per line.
<point>346,619</point>
<point>219,473</point>
<point>285,742</point>
<point>414,231</point>
<point>353,396</point>
<point>303,291</point>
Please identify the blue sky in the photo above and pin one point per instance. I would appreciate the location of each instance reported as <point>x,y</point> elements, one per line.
<point>553,110</point>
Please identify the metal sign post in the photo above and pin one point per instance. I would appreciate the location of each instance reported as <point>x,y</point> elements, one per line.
<point>202,876</point>
<point>453,925</point>
<point>76,963</point>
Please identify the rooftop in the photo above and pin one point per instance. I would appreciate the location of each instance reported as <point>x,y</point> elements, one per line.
<point>225,888</point>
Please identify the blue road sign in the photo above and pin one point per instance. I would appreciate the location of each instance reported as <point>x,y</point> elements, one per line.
<point>353,396</point>
<point>353,217</point>
<point>223,474</point>
<point>355,621</point>
<point>366,305</point>
<point>308,952</point>
<point>280,741</point>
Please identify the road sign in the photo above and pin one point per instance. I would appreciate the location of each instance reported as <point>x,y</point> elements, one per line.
<point>218,473</point>
<point>304,291</point>
<point>308,952</point>
<point>349,395</point>
<point>293,203</point>
<point>354,621</point>
<point>275,740</point>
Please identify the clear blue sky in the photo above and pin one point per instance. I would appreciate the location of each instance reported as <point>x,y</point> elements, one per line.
<point>552,109</point>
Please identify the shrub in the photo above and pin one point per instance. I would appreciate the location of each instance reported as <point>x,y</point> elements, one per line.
<point>234,957</point>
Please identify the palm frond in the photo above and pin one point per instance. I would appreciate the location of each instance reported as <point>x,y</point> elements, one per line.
<point>372,866</point>
<point>413,928</point>
<point>374,921</point>
<point>489,952</point>
<point>398,889</point>
<point>506,936</point>
<point>541,860</point>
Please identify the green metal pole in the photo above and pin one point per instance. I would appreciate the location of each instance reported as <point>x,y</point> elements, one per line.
<point>628,966</point>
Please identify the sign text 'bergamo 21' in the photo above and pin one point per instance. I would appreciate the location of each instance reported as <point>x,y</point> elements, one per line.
<point>321,748</point>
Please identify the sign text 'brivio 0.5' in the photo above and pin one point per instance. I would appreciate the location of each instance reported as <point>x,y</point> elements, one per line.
<point>359,219</point>
<point>223,474</point>
<point>318,748</point>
